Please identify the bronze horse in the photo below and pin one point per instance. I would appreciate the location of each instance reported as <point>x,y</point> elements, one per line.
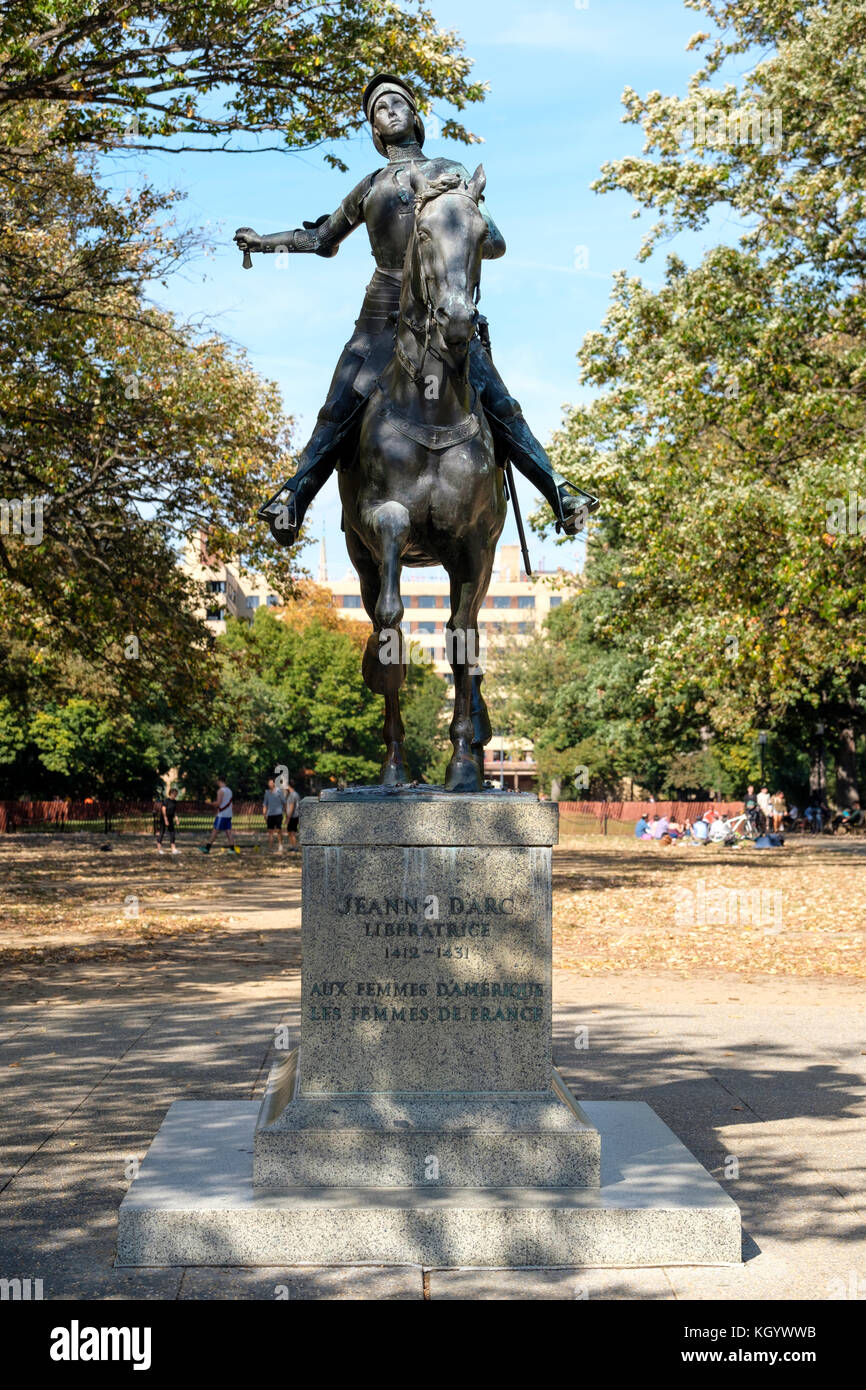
<point>426,489</point>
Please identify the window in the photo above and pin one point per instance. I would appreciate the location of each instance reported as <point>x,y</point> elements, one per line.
<point>502,601</point>
<point>273,601</point>
<point>425,601</point>
<point>556,600</point>
<point>350,600</point>
<point>526,601</point>
<point>216,586</point>
<point>253,601</point>
<point>425,627</point>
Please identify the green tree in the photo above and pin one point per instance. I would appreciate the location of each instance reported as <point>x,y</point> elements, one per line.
<point>729,428</point>
<point>159,75</point>
<point>87,751</point>
<point>121,433</point>
<point>290,694</point>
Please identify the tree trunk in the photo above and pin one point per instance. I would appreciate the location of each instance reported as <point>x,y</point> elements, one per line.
<point>847,791</point>
<point>816,774</point>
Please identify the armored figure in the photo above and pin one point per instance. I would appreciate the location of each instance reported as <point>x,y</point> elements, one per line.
<point>385,203</point>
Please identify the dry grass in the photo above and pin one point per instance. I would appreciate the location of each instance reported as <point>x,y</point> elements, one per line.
<point>628,906</point>
<point>619,906</point>
<point>65,898</point>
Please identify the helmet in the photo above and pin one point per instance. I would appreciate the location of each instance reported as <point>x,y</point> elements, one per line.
<point>380,86</point>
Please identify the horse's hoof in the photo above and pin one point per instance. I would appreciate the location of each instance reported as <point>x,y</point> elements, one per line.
<point>463,775</point>
<point>394,775</point>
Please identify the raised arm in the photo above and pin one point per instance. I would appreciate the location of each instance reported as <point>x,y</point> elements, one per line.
<point>323,236</point>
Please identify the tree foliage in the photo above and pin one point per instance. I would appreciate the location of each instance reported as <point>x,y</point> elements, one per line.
<point>197,74</point>
<point>729,425</point>
<point>125,427</point>
<point>291,695</point>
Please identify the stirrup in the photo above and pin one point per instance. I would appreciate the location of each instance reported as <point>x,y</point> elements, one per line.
<point>281,516</point>
<point>266,510</point>
<point>592,504</point>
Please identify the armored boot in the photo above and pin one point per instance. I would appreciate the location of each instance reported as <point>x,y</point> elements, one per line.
<point>331,444</point>
<point>571,506</point>
<point>285,511</point>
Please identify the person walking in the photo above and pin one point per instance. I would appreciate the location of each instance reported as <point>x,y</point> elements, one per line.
<point>166,820</point>
<point>293,806</point>
<point>273,808</point>
<point>223,818</point>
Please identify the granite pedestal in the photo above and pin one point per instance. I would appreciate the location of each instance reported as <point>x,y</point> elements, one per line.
<point>420,1118</point>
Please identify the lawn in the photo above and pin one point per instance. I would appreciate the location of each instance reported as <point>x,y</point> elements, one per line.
<point>619,906</point>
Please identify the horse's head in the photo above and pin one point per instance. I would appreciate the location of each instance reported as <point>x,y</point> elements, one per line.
<point>445,253</point>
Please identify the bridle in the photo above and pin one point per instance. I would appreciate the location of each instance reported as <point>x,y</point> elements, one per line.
<point>416,372</point>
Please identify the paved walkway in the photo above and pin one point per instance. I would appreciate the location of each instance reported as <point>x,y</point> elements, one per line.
<point>763,1081</point>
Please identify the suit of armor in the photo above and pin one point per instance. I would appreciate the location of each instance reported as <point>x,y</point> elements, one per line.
<point>384,203</point>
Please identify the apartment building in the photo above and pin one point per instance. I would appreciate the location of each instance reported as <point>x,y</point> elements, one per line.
<point>229,592</point>
<point>514,608</point>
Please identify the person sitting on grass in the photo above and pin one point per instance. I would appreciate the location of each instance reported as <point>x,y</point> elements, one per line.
<point>223,818</point>
<point>641,828</point>
<point>700,831</point>
<point>721,832</point>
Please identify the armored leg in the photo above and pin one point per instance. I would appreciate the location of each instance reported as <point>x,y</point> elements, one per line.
<point>337,421</point>
<point>515,440</point>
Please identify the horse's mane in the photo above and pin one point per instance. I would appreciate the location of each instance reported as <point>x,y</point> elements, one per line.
<point>443,183</point>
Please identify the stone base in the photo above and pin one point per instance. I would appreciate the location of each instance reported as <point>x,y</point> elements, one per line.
<point>194,1203</point>
<point>399,1139</point>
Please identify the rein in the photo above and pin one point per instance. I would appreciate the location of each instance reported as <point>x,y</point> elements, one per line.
<point>416,372</point>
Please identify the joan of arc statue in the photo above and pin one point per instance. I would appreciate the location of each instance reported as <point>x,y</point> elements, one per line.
<point>384,203</point>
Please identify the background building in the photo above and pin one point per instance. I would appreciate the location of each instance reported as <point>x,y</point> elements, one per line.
<point>514,608</point>
<point>229,592</point>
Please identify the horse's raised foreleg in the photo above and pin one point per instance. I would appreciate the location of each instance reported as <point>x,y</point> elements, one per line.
<point>384,665</point>
<point>470,727</point>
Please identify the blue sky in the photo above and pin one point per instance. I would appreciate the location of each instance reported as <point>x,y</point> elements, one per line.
<point>553,116</point>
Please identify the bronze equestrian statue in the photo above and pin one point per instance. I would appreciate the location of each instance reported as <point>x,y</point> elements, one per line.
<point>418,419</point>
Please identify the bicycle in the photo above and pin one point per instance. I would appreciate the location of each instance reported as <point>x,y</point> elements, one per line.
<point>744,826</point>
